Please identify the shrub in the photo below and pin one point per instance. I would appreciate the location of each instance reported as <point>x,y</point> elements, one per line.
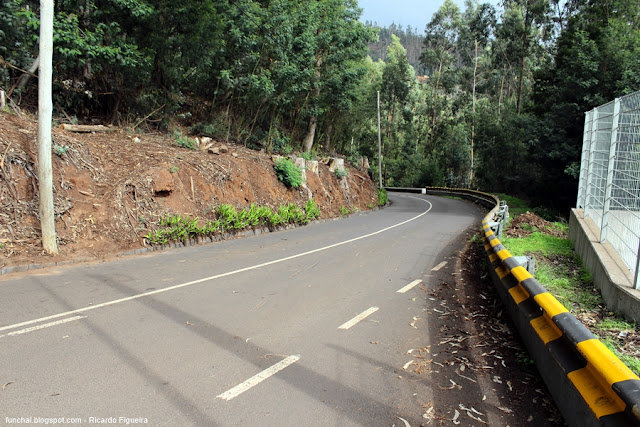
<point>340,173</point>
<point>184,141</point>
<point>288,173</point>
<point>312,210</point>
<point>383,197</point>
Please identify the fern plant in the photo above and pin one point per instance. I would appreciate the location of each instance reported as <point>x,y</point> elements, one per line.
<point>288,173</point>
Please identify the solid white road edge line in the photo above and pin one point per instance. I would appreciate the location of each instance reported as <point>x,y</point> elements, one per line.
<point>217,276</point>
<point>409,286</point>
<point>46,325</point>
<point>257,379</point>
<point>358,318</point>
<point>439,266</point>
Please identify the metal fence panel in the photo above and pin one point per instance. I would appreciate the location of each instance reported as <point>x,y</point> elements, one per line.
<point>609,187</point>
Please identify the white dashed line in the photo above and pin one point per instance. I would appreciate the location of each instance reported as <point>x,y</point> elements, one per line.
<point>409,286</point>
<point>358,318</point>
<point>257,379</point>
<point>439,266</point>
<point>46,325</point>
<point>217,276</point>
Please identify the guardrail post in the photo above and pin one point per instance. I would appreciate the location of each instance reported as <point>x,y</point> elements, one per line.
<point>502,215</point>
<point>610,169</point>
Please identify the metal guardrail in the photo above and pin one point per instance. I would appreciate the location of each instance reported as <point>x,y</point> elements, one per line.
<point>590,385</point>
<point>609,186</point>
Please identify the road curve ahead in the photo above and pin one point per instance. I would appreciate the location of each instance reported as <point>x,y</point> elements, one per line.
<point>309,326</point>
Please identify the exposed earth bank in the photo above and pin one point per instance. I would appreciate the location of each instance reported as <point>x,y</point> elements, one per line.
<point>112,188</point>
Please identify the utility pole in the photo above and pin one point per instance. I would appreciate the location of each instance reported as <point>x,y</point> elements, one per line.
<point>45,111</point>
<point>379,146</point>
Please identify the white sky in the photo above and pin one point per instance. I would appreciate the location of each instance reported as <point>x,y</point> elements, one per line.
<point>416,13</point>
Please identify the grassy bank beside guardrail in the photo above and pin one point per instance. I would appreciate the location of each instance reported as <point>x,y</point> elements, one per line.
<point>590,384</point>
<point>560,270</point>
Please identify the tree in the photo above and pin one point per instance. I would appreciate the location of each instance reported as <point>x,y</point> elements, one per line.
<point>45,108</point>
<point>523,23</point>
<point>440,54</point>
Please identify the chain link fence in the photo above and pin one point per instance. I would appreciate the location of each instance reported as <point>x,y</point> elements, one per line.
<point>609,188</point>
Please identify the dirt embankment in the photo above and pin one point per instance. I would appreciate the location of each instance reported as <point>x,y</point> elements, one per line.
<point>111,189</point>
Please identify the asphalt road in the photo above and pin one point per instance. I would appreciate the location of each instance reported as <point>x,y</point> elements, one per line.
<point>299,327</point>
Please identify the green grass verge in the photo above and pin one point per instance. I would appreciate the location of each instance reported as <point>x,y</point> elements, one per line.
<point>516,206</point>
<point>560,270</point>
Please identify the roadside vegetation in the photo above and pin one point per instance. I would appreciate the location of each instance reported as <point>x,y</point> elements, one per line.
<point>176,228</point>
<point>560,270</point>
<point>303,76</point>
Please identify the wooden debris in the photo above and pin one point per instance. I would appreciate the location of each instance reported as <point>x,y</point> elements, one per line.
<point>86,128</point>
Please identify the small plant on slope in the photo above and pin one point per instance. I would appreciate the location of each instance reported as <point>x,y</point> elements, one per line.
<point>288,173</point>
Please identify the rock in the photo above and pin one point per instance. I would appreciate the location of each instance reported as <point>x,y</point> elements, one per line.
<point>301,163</point>
<point>205,140</point>
<point>136,140</point>
<point>335,163</point>
<point>162,182</point>
<point>224,149</point>
<point>234,154</point>
<point>214,150</point>
<point>363,164</point>
<point>312,166</point>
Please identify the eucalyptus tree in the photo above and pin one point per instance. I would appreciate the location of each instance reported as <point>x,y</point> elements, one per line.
<point>340,42</point>
<point>524,24</point>
<point>398,82</point>
<point>595,60</point>
<point>476,32</point>
<point>441,55</point>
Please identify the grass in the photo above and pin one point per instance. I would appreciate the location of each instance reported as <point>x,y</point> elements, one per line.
<point>560,270</point>
<point>176,228</point>
<point>516,206</point>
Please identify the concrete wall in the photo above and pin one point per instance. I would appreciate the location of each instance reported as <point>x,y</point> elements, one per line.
<point>610,274</point>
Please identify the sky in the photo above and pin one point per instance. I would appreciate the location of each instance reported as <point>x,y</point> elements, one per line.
<point>416,13</point>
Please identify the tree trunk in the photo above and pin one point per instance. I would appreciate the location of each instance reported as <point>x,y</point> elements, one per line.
<point>24,79</point>
<point>327,140</point>
<point>473,112</point>
<point>501,91</point>
<point>313,121</point>
<point>311,134</point>
<point>45,111</point>
<point>435,105</point>
<point>520,85</point>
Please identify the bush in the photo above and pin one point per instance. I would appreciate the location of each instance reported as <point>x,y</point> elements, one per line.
<point>184,141</point>
<point>288,173</point>
<point>383,197</point>
<point>312,210</point>
<point>340,173</point>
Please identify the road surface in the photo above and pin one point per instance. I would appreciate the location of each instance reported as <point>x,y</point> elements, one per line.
<point>319,325</point>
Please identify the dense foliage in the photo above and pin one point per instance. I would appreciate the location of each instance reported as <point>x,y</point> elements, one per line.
<point>498,102</point>
<point>503,106</point>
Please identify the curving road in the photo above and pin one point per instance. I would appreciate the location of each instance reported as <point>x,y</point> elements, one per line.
<point>299,327</point>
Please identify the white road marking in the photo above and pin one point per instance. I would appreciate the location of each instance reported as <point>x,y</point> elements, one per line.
<point>358,318</point>
<point>217,276</point>
<point>439,266</point>
<point>257,379</point>
<point>409,286</point>
<point>46,325</point>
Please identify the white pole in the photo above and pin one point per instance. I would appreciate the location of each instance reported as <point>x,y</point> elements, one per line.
<point>45,111</point>
<point>379,145</point>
